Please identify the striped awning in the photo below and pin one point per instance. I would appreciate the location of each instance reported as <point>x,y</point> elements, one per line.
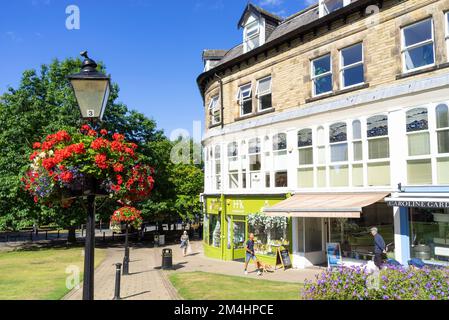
<point>325,205</point>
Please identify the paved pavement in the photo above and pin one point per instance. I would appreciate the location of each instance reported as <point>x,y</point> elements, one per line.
<point>148,282</point>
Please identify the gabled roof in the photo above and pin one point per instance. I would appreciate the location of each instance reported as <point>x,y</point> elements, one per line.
<point>251,8</point>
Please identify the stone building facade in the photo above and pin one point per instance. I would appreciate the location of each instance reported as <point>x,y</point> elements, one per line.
<point>342,110</point>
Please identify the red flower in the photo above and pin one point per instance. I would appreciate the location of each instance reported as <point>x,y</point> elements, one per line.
<point>100,160</point>
<point>85,128</point>
<point>115,188</point>
<point>118,167</point>
<point>103,132</point>
<point>92,133</point>
<point>34,155</point>
<point>116,146</point>
<point>119,179</point>
<point>49,163</point>
<point>129,151</point>
<point>37,145</point>
<point>36,199</point>
<point>78,148</point>
<point>67,176</point>
<point>62,136</point>
<point>99,143</point>
<point>118,137</point>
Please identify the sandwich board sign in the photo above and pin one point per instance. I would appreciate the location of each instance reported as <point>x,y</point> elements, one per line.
<point>283,258</point>
<point>334,258</point>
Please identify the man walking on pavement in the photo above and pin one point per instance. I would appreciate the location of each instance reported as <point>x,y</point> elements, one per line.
<point>379,247</point>
<point>250,254</point>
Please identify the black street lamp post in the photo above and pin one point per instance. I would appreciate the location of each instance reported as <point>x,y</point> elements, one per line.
<point>126,257</point>
<point>91,89</point>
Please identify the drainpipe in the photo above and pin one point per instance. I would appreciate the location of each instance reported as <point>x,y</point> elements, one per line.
<point>220,81</point>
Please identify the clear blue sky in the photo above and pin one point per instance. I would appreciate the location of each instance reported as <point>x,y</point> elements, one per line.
<point>151,48</point>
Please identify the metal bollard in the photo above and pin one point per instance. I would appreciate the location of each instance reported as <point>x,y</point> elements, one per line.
<point>58,234</point>
<point>46,234</point>
<point>104,236</point>
<point>118,267</point>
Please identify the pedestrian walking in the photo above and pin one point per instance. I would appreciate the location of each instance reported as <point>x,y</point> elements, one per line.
<point>185,243</point>
<point>250,254</point>
<point>379,247</point>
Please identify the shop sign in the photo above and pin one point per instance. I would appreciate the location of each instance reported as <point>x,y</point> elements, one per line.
<point>213,205</point>
<point>419,204</point>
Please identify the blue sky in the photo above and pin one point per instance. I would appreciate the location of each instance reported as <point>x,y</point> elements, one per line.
<point>151,48</point>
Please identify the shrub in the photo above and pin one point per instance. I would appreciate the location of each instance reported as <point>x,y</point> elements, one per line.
<point>392,283</point>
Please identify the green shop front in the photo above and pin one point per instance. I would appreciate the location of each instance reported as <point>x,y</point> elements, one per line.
<point>229,219</point>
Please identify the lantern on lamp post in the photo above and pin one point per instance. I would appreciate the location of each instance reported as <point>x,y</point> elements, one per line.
<point>91,89</point>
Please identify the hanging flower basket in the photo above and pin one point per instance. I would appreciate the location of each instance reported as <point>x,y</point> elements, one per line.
<point>71,165</point>
<point>128,215</point>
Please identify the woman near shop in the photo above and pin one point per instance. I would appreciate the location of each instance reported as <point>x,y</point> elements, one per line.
<point>185,243</point>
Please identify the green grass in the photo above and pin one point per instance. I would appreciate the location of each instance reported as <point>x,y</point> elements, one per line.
<point>39,274</point>
<point>210,286</point>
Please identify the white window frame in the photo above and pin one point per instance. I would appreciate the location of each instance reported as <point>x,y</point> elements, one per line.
<point>331,144</point>
<point>214,106</point>
<point>241,100</point>
<point>368,139</point>
<point>248,38</point>
<point>404,49</point>
<point>441,155</point>
<point>218,176</point>
<point>259,95</point>
<point>358,140</point>
<point>280,151</point>
<point>323,9</point>
<point>411,133</point>
<point>313,164</point>
<point>315,77</point>
<point>350,66</point>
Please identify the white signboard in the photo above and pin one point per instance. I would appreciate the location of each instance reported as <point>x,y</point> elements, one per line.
<point>441,251</point>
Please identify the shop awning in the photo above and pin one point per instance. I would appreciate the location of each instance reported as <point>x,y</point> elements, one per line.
<point>325,205</point>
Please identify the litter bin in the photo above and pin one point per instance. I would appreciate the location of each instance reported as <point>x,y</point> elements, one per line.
<point>161,240</point>
<point>167,259</point>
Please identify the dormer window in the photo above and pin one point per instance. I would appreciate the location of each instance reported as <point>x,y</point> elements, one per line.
<point>252,35</point>
<point>329,6</point>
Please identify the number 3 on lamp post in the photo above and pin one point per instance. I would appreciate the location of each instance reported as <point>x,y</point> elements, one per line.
<point>91,113</point>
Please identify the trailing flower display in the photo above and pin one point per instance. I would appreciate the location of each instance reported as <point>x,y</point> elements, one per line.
<point>128,215</point>
<point>64,162</point>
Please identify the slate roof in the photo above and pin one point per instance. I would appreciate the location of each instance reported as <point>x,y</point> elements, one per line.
<point>263,12</point>
<point>207,53</point>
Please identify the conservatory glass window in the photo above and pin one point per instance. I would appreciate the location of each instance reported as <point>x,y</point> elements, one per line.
<point>338,140</point>
<point>378,151</point>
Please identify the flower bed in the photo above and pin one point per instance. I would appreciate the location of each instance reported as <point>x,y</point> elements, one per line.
<point>389,284</point>
<point>64,164</point>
